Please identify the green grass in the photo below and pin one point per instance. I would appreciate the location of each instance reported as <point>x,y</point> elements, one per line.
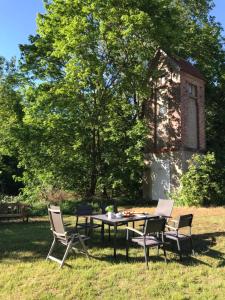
<point>25,274</point>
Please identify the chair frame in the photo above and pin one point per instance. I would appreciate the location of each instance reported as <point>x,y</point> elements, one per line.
<point>70,239</point>
<point>164,208</point>
<point>173,231</point>
<point>84,211</point>
<point>153,229</point>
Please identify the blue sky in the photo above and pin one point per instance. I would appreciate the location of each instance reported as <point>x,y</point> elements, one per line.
<point>17,22</point>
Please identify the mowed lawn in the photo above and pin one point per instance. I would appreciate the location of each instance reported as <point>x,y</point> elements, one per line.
<point>25,274</point>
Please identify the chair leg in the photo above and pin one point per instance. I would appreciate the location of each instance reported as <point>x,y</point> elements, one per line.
<point>179,249</point>
<point>84,247</point>
<point>127,245</point>
<point>146,257</point>
<point>65,255</point>
<point>51,249</point>
<point>74,250</point>
<point>127,250</point>
<point>158,250</point>
<point>164,251</point>
<point>148,252</point>
<point>90,230</point>
<point>192,248</point>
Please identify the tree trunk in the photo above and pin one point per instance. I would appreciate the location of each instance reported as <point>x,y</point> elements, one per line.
<point>93,176</point>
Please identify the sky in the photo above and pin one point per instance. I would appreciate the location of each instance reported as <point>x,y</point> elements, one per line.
<point>18,21</point>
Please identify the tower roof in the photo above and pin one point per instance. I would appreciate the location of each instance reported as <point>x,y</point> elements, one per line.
<point>187,67</point>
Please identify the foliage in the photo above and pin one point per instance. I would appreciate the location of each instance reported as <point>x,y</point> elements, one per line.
<point>215,126</point>
<point>85,119</point>
<point>8,172</point>
<point>77,107</point>
<point>11,121</point>
<point>201,184</point>
<point>109,208</point>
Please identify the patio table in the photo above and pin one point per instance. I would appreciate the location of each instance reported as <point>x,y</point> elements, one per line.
<point>124,220</point>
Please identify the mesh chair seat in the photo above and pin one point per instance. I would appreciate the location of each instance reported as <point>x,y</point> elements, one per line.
<point>75,237</point>
<point>87,225</point>
<point>176,235</point>
<point>149,241</point>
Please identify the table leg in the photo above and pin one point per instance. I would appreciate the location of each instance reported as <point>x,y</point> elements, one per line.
<point>102,231</point>
<point>86,222</point>
<point>115,233</point>
<point>133,225</point>
<point>109,237</point>
<point>91,227</point>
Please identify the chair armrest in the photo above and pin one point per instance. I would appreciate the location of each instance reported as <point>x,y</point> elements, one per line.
<point>135,230</point>
<point>68,224</point>
<point>171,227</point>
<point>173,222</point>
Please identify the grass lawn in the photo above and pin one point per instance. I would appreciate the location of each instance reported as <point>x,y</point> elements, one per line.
<point>24,273</point>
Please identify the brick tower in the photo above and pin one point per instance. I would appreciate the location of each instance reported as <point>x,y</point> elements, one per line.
<point>177,124</point>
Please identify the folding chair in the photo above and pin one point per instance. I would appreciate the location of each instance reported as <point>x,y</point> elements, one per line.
<point>70,239</point>
<point>152,236</point>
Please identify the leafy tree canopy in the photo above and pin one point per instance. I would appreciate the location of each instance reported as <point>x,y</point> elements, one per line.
<point>86,83</point>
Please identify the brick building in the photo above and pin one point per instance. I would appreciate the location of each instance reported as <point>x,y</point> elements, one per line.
<point>177,124</point>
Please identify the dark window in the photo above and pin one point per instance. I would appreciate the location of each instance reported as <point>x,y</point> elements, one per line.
<point>192,118</point>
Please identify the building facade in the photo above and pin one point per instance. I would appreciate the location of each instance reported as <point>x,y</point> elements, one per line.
<point>177,124</point>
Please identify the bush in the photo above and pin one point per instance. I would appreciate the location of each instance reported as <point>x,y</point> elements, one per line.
<point>202,184</point>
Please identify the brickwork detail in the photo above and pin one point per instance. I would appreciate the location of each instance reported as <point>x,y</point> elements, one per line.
<point>176,123</point>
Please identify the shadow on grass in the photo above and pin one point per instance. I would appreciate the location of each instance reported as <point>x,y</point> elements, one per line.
<point>31,241</point>
<point>203,244</point>
<point>24,241</point>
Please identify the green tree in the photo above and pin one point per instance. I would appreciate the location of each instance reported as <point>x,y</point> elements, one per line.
<point>200,185</point>
<point>11,118</point>
<point>89,76</point>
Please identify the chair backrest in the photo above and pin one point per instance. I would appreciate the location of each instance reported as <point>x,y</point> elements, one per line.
<point>56,221</point>
<point>184,221</point>
<point>154,225</point>
<point>164,208</point>
<point>84,209</point>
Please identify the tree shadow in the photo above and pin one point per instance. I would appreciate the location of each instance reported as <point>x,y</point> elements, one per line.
<point>24,241</point>
<point>204,242</point>
<point>29,242</point>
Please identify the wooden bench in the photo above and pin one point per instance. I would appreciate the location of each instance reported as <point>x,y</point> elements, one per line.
<point>14,211</point>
